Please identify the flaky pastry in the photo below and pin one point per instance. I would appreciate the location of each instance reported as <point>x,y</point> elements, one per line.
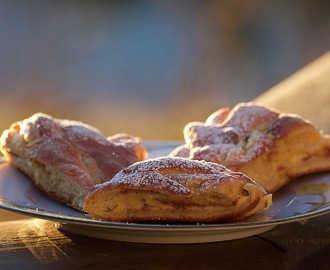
<point>66,158</point>
<point>176,190</point>
<point>269,146</point>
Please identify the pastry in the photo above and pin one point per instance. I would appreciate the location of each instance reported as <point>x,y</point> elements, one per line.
<point>176,190</point>
<point>270,147</point>
<point>66,158</point>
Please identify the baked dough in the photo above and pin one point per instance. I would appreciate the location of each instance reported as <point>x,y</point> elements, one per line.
<point>269,146</point>
<point>66,158</point>
<point>176,190</point>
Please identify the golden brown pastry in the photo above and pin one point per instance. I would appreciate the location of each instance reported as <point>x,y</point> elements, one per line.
<point>66,158</point>
<point>269,146</point>
<point>176,190</point>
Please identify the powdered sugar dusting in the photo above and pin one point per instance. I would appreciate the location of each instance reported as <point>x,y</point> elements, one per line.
<point>249,116</point>
<point>198,134</point>
<point>66,145</point>
<point>237,139</point>
<point>171,174</point>
<point>82,132</point>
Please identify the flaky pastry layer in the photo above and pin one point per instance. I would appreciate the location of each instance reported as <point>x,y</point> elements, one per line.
<point>269,146</point>
<point>66,158</point>
<point>179,190</point>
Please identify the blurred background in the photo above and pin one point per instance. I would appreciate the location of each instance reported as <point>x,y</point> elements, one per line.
<point>149,67</point>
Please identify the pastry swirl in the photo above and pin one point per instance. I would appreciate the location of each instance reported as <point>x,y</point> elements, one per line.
<point>269,146</point>
<point>66,158</point>
<point>176,190</point>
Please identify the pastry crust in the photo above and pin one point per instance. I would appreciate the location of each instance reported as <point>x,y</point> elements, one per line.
<point>176,190</point>
<point>66,158</point>
<point>269,146</point>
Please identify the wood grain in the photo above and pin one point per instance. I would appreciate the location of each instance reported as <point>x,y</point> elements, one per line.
<point>307,93</point>
<point>36,243</point>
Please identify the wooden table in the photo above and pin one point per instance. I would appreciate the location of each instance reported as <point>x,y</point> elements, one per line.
<point>37,244</point>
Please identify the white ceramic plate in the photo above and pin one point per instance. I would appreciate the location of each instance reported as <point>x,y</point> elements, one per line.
<point>304,198</point>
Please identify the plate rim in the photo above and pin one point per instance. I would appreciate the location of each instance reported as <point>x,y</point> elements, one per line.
<point>166,227</point>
